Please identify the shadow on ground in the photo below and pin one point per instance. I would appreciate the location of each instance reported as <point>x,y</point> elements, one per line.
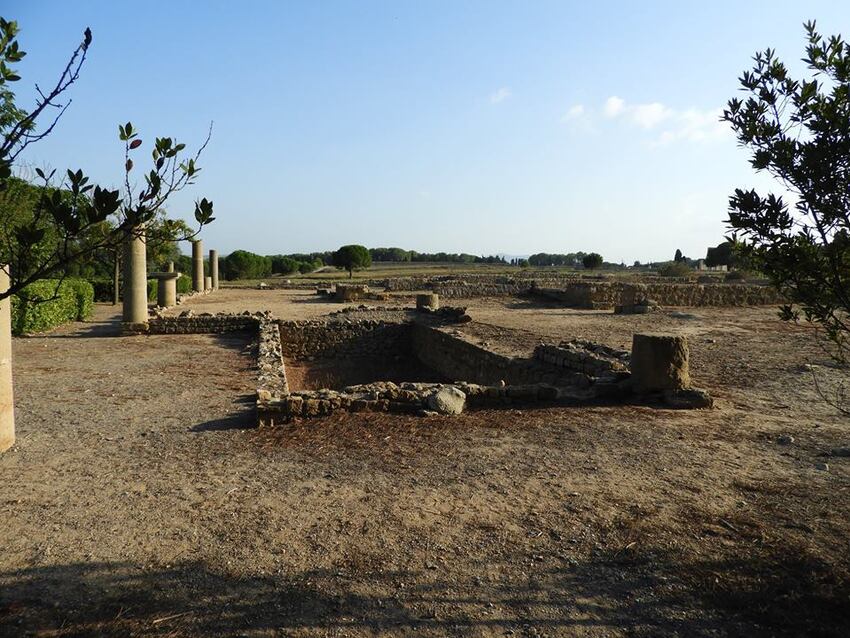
<point>245,418</point>
<point>646,594</point>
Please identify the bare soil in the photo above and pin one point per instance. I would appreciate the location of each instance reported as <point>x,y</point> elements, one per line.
<point>139,500</point>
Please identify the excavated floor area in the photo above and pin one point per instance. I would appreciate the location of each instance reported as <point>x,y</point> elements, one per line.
<point>338,373</point>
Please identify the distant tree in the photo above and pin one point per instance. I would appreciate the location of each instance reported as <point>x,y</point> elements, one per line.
<point>592,261</point>
<point>679,256</point>
<point>242,264</point>
<point>799,132</point>
<point>352,257</point>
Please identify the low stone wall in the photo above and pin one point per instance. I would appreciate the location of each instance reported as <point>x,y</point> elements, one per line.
<point>605,295</point>
<point>271,382</point>
<point>351,338</point>
<point>465,290</point>
<point>456,358</point>
<point>589,358</point>
<point>409,398</point>
<point>205,323</point>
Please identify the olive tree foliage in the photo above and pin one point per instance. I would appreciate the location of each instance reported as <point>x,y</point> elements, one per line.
<point>352,257</point>
<point>799,132</point>
<point>72,216</point>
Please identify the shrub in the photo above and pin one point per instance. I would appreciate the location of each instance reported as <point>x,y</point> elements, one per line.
<point>592,261</point>
<point>152,289</point>
<point>674,269</point>
<point>735,275</point>
<point>84,293</point>
<point>102,289</point>
<point>48,303</point>
<point>184,284</point>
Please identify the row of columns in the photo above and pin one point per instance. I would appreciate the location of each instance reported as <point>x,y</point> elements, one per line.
<point>201,283</point>
<point>135,308</point>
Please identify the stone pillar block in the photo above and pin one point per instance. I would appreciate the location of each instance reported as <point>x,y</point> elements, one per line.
<point>208,286</point>
<point>659,363</point>
<point>197,266</point>
<point>428,300</point>
<point>166,290</point>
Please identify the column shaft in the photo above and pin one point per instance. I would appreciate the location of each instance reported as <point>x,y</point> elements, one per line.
<point>135,308</point>
<point>197,266</point>
<point>7,401</point>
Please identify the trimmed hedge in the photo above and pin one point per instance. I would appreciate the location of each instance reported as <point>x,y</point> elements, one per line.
<point>49,303</point>
<point>84,292</point>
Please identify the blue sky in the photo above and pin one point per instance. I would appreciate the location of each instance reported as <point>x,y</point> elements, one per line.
<point>482,127</point>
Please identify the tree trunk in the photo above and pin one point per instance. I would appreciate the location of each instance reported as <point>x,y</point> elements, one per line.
<point>116,274</point>
<point>350,274</point>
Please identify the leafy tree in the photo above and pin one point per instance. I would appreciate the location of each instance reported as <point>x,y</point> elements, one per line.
<point>352,257</point>
<point>679,256</point>
<point>72,216</point>
<point>592,261</point>
<point>799,132</point>
<point>242,264</point>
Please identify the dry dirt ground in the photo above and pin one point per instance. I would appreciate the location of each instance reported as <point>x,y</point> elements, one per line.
<point>138,501</point>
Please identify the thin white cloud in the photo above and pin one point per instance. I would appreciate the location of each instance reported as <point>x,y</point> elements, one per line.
<point>614,106</point>
<point>573,113</point>
<point>501,95</point>
<point>691,125</point>
<point>649,116</point>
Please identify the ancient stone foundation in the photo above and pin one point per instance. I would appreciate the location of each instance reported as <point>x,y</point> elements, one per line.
<point>573,372</point>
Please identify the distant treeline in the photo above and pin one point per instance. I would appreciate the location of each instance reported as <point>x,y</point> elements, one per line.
<point>556,259</point>
<point>242,264</point>
<point>401,255</point>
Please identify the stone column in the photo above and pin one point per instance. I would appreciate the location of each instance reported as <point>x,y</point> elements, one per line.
<point>197,266</point>
<point>135,278</point>
<point>7,400</point>
<point>208,283</point>
<point>170,266</point>
<point>214,268</point>
<point>166,290</point>
<point>659,363</point>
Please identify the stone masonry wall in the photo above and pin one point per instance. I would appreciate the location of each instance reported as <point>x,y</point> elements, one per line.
<point>456,358</point>
<point>203,324</point>
<point>586,357</point>
<point>328,339</point>
<point>600,295</point>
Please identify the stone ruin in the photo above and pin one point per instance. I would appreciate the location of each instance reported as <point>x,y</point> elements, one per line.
<point>418,361</point>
